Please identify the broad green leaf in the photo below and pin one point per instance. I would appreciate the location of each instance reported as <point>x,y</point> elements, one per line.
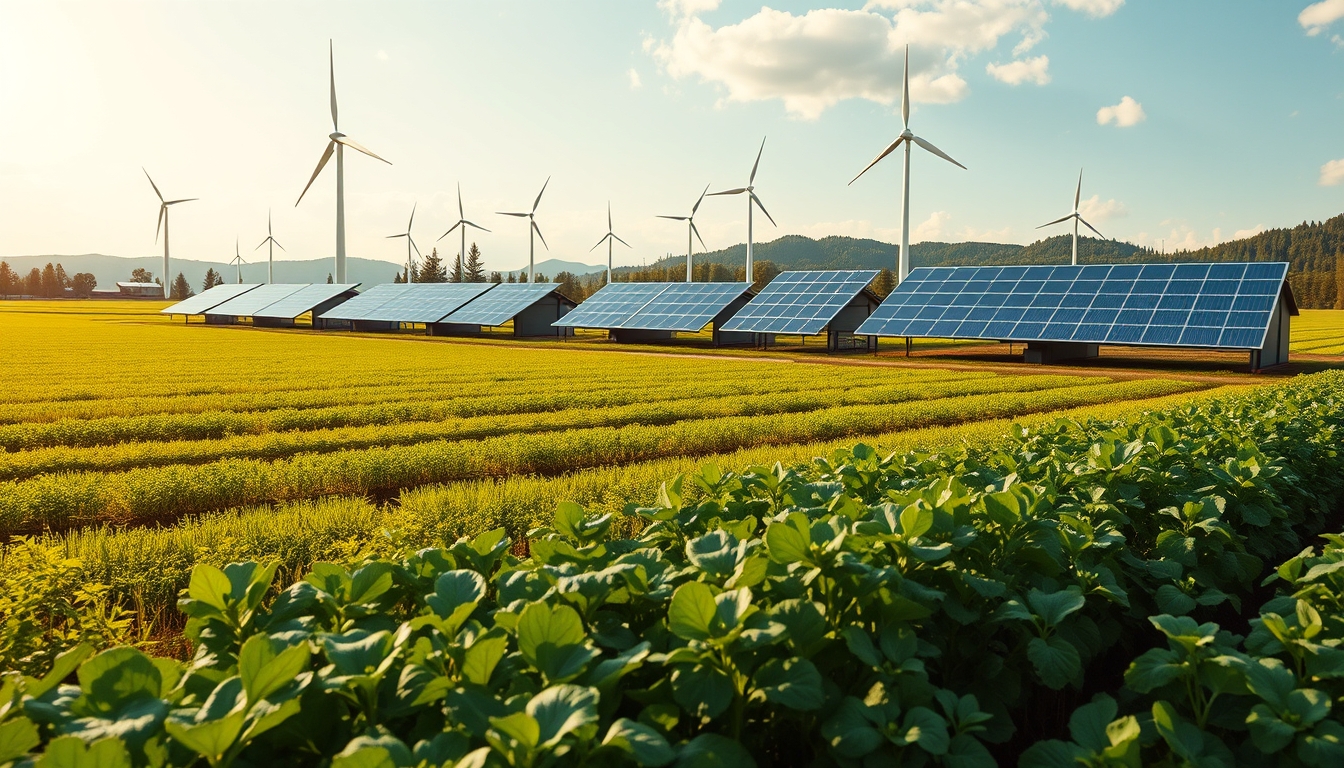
<point>1269,679</point>
<point>482,657</point>
<point>849,733</point>
<point>552,640</point>
<point>794,683</point>
<point>209,585</point>
<point>1055,660</point>
<point>560,709</point>
<point>924,727</point>
<point>1052,608</point>
<point>1088,723</point>
<point>714,553</point>
<point>916,520</point>
<point>729,609</point>
<point>691,613</point>
<point>805,620</point>
<point>71,752</point>
<point>789,541</point>
<point>118,676</point>
<point>1182,736</point>
<point>357,652</point>
<point>1053,754</point>
<point>263,671</point>
<point>1154,669</point>
<point>1309,705</point>
<point>61,667</point>
<point>211,738</point>
<point>519,726</point>
<point>643,744</point>
<point>1171,600</point>
<point>568,520</point>
<point>710,750</point>
<point>701,690</point>
<point>966,751</point>
<point>1269,734</point>
<point>454,589</point>
<point>17,736</point>
<point>1323,747</point>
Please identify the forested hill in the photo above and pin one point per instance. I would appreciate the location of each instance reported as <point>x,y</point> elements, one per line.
<point>1315,251</point>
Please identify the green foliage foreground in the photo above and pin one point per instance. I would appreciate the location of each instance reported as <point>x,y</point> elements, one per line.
<point>921,609</point>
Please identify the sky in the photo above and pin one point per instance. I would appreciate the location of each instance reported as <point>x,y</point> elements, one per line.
<point>1194,122</point>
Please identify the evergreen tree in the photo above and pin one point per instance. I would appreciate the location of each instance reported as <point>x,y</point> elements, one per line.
<point>456,275</point>
<point>32,284</point>
<point>142,275</point>
<point>1339,280</point>
<point>212,278</point>
<point>400,278</point>
<point>432,270</point>
<point>539,278</point>
<point>474,270</point>
<point>62,279</point>
<point>884,283</point>
<point>8,280</point>
<point>568,284</point>
<point>180,289</point>
<point>83,283</point>
<point>51,284</point>
<point>329,280</point>
<point>496,278</point>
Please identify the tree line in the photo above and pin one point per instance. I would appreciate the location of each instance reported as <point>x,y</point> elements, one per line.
<point>50,282</point>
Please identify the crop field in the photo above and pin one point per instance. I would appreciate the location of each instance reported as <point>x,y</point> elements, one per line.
<point>1319,332</point>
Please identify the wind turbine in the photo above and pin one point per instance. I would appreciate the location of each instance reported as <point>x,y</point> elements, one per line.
<point>270,252</point>
<point>752,199</point>
<point>463,223</point>
<point>338,142</point>
<point>410,243</point>
<point>238,260</point>
<point>1077,196</point>
<point>531,217</point>
<point>691,230</point>
<point>163,221</point>
<point>610,236</point>
<point>903,258</point>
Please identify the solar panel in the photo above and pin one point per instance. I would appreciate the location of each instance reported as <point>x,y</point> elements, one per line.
<point>426,302</point>
<point>369,300</point>
<point>256,299</point>
<point>685,306</point>
<point>303,300</point>
<point>612,305</point>
<point>801,302</point>
<point>208,299</point>
<point>1224,304</point>
<point>500,304</point>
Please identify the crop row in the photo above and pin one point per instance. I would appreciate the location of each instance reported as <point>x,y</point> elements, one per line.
<point>418,423</point>
<point>62,500</point>
<point>429,406</point>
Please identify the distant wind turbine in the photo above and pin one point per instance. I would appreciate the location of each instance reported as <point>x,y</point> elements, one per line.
<point>270,252</point>
<point>163,221</point>
<point>410,243</point>
<point>608,238</point>
<point>338,142</point>
<point>690,230</point>
<point>463,223</point>
<point>752,199</point>
<point>903,258</point>
<point>238,260</point>
<point>533,229</point>
<point>1077,197</point>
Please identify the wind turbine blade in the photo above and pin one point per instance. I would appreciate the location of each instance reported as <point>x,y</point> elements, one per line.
<point>331,147</point>
<point>183,200</point>
<point>478,226</point>
<point>878,159</point>
<point>674,218</point>
<point>1057,221</point>
<point>268,222</point>
<point>331,60</point>
<point>599,242</point>
<point>539,235</point>
<point>152,184</point>
<point>412,219</point>
<point>539,194</point>
<point>163,211</point>
<point>403,234</point>
<point>937,151</point>
<point>608,215</point>
<point>761,205</point>
<point>505,213</point>
<point>696,207</point>
<point>413,245</point>
<point>696,232</point>
<point>737,191</point>
<point>619,240</point>
<point>757,164</point>
<point>277,244</point>
<point>1078,193</point>
<point>1089,226</point>
<point>450,231</point>
<point>263,242</point>
<point>351,143</point>
<point>905,94</point>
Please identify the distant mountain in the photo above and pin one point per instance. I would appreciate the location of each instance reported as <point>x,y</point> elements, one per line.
<point>110,269</point>
<point>550,267</point>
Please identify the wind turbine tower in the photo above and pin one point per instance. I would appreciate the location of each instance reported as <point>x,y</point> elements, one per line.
<point>163,222</point>
<point>337,143</point>
<point>907,137</point>
<point>410,243</point>
<point>270,252</point>
<point>463,223</point>
<point>691,230</point>
<point>1077,197</point>
<point>752,200</point>
<point>533,229</point>
<point>610,236</point>
<point>238,261</point>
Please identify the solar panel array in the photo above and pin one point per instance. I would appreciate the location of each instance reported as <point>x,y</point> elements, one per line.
<point>685,306</point>
<point>1225,305</point>
<point>303,300</point>
<point>612,305</point>
<point>500,304</point>
<point>208,299</point>
<point>801,302</point>
<point>256,300</point>
<point>425,302</point>
<point>367,301</point>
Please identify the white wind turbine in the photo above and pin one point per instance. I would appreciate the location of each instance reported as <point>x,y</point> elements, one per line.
<point>903,258</point>
<point>338,142</point>
<point>410,243</point>
<point>238,260</point>
<point>691,230</point>
<point>1077,196</point>
<point>608,238</point>
<point>163,221</point>
<point>463,223</point>
<point>270,252</point>
<point>533,229</point>
<point>752,199</point>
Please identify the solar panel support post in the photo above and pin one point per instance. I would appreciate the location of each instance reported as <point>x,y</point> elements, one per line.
<point>907,346</point>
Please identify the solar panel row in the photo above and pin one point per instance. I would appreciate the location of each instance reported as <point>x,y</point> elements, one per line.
<point>303,300</point>
<point>500,304</point>
<point>255,300</point>
<point>365,302</point>
<point>209,299</point>
<point>1205,305</point>
<point>801,302</point>
<point>425,302</point>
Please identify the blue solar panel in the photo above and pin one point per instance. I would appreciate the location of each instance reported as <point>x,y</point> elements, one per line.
<point>303,300</point>
<point>209,299</point>
<point>500,304</point>
<point>685,306</point>
<point>1226,305</point>
<point>426,302</point>
<point>367,301</point>
<point>256,299</point>
<point>612,305</point>
<point>800,302</point>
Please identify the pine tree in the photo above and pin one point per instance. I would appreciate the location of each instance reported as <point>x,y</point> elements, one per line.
<point>62,279</point>
<point>400,278</point>
<point>329,280</point>
<point>539,278</point>
<point>456,275</point>
<point>496,278</point>
<point>884,283</point>
<point>8,280</point>
<point>180,289</point>
<point>568,284</point>
<point>212,278</point>
<point>432,270</point>
<point>474,271</point>
<point>32,284</point>
<point>1339,280</point>
<point>51,286</point>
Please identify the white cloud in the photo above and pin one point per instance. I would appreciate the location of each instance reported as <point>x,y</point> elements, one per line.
<point>635,82</point>
<point>1128,112</point>
<point>1034,70</point>
<point>1244,233</point>
<point>1317,16</point>
<point>1093,8</point>
<point>931,228</point>
<point>683,8</point>
<point>1332,173</point>
<point>1094,210</point>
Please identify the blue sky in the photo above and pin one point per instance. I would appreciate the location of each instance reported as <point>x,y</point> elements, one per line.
<point>1227,120</point>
